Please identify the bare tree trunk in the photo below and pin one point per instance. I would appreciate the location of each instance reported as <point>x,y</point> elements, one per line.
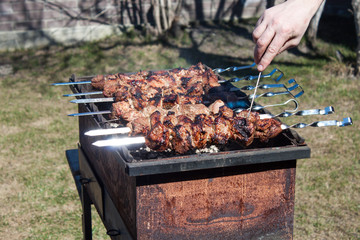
<point>314,25</point>
<point>356,8</point>
<point>166,14</point>
<point>156,12</point>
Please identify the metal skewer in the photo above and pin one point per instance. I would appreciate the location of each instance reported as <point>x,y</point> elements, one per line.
<point>89,113</point>
<point>82,94</point>
<point>123,130</point>
<point>253,77</point>
<point>107,131</point>
<point>233,69</point>
<point>116,142</point>
<point>267,94</point>
<point>293,85</point>
<point>119,142</point>
<point>345,122</point>
<point>216,70</point>
<point>256,108</point>
<point>259,107</point>
<point>325,111</point>
<point>252,101</point>
<point>93,100</point>
<point>71,83</point>
<point>292,82</point>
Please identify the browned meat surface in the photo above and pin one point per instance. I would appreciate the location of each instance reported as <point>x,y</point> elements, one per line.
<point>110,88</point>
<point>267,129</point>
<point>98,82</point>
<point>215,106</point>
<point>158,138</point>
<point>191,110</point>
<point>125,110</point>
<point>182,140</point>
<point>193,82</point>
<point>139,126</point>
<point>222,130</point>
<point>166,108</point>
<point>203,130</point>
<point>243,131</point>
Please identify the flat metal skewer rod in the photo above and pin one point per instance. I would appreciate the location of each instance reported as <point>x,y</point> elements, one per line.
<point>89,113</point>
<point>116,142</point>
<point>252,96</point>
<point>108,131</point>
<point>93,100</point>
<point>71,83</point>
<point>253,77</point>
<point>325,111</point>
<point>252,101</point>
<point>123,130</point>
<point>82,94</point>
<point>233,69</point>
<point>217,70</point>
<point>119,142</point>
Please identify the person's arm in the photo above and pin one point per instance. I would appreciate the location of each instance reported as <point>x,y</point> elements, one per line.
<point>281,27</point>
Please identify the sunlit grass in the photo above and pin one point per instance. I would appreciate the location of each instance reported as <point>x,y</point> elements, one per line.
<point>38,197</point>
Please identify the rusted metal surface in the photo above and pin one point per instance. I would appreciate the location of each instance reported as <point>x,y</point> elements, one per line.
<point>224,196</point>
<point>110,169</point>
<point>230,204</point>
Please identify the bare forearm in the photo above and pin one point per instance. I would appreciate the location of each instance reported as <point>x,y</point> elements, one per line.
<point>281,27</point>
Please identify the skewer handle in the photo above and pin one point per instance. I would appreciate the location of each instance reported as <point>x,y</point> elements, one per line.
<point>250,77</point>
<point>89,113</point>
<point>325,111</point>
<point>108,131</point>
<point>232,69</point>
<point>82,94</point>
<point>93,100</point>
<point>345,122</point>
<point>116,142</point>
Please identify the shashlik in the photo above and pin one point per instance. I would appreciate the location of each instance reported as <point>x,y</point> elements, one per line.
<point>166,108</point>
<point>186,127</point>
<point>194,81</point>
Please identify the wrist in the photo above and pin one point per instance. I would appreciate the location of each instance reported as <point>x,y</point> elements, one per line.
<point>311,5</point>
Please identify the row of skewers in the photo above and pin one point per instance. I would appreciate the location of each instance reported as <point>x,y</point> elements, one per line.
<point>166,110</point>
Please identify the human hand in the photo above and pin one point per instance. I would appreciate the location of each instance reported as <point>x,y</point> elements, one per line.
<point>280,28</point>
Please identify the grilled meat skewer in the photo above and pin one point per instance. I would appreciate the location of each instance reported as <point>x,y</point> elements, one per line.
<point>194,126</point>
<point>192,81</point>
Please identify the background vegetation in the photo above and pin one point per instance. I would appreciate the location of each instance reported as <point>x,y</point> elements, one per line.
<point>38,199</point>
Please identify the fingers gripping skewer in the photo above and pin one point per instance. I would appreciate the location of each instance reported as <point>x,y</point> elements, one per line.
<point>115,142</point>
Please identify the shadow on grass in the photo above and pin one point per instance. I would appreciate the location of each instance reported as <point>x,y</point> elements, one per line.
<point>95,55</point>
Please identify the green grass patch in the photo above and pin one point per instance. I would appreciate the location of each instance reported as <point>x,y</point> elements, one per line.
<point>36,184</point>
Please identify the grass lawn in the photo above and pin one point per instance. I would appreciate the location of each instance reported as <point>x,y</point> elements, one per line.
<point>38,199</point>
